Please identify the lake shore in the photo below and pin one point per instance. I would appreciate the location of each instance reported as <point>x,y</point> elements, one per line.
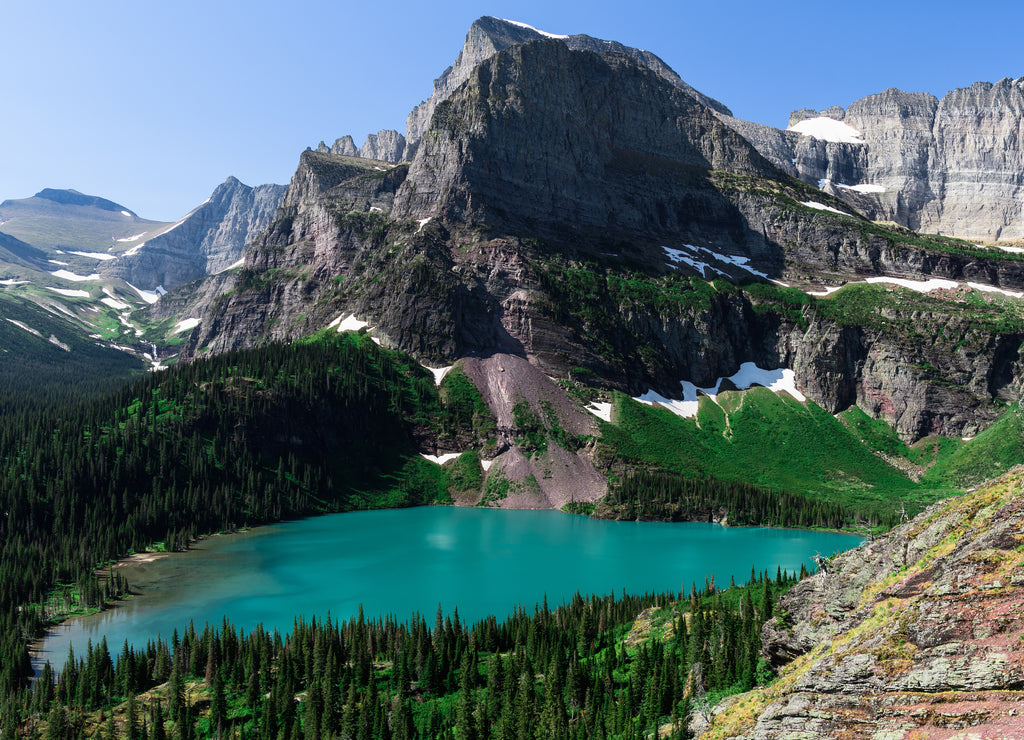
<point>405,561</point>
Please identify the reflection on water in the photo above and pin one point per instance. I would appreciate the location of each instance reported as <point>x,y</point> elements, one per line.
<point>398,562</point>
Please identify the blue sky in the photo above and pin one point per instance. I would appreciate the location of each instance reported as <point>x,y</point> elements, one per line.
<point>153,104</point>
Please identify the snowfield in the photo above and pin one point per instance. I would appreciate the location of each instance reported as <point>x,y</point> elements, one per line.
<point>185,325</point>
<point>149,296</point>
<point>441,459</point>
<point>749,374</point>
<point>602,411</point>
<point>96,255</point>
<point>823,207</point>
<point>70,293</point>
<point>349,323</point>
<point>542,33</point>
<point>829,129</point>
<point>64,274</point>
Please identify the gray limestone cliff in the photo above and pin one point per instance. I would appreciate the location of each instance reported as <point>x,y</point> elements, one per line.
<point>209,239</point>
<point>951,166</point>
<point>487,36</point>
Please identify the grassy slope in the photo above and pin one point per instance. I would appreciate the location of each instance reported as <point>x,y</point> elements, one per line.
<point>770,439</point>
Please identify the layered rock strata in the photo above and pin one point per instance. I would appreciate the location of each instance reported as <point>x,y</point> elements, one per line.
<point>950,166</point>
<point>208,240</point>
<point>916,634</point>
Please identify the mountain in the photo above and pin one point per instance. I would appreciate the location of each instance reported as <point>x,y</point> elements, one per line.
<point>949,166</point>
<point>569,206</point>
<point>90,263</point>
<point>67,219</point>
<point>207,240</point>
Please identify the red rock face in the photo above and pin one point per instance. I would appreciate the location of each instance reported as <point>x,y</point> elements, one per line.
<point>919,634</point>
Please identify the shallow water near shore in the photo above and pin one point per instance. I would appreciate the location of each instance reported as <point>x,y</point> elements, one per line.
<point>482,561</point>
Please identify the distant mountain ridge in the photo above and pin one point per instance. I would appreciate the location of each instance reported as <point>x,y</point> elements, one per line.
<point>209,239</point>
<point>75,198</point>
<point>949,166</point>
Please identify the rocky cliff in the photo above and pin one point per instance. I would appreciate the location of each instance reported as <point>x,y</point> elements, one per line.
<point>568,207</point>
<point>949,166</point>
<point>487,36</point>
<point>208,240</point>
<point>916,634</point>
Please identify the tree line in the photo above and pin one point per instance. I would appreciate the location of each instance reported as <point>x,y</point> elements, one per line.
<point>668,496</point>
<point>567,672</point>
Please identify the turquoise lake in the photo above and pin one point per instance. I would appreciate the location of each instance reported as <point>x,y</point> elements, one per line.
<point>397,562</point>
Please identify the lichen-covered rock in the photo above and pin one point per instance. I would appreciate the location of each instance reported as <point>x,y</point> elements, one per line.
<point>917,634</point>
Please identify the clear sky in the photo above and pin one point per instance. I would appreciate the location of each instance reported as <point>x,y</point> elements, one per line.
<point>153,104</point>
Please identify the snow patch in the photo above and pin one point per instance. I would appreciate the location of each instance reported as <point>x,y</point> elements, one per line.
<point>54,341</point>
<point>863,188</point>
<point>26,327</point>
<point>781,379</point>
<point>993,289</point>
<point>12,281</point>
<point>350,323</point>
<point>125,213</point>
<point>132,238</point>
<point>233,265</point>
<point>778,380</point>
<point>185,325</point>
<point>824,291</point>
<point>829,129</point>
<point>112,301</point>
<point>64,274</point>
<point>96,255</point>
<point>70,293</point>
<point>1014,250</point>
<point>133,250</point>
<point>486,464</point>
<point>823,207</point>
<point>439,373</point>
<point>822,183</point>
<point>57,262</point>
<point>441,459</point>
<point>678,255</point>
<point>921,286</point>
<point>149,296</point>
<point>542,33</point>
<point>422,222</point>
<point>602,411</point>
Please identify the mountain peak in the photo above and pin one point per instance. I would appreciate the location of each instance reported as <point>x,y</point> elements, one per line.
<point>74,198</point>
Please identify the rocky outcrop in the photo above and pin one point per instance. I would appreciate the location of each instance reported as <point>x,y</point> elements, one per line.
<point>550,466</point>
<point>208,240</point>
<point>514,134</point>
<point>488,36</point>
<point>916,634</point>
<point>950,166</point>
<point>385,146</point>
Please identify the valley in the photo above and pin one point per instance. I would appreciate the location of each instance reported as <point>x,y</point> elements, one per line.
<point>575,285</point>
